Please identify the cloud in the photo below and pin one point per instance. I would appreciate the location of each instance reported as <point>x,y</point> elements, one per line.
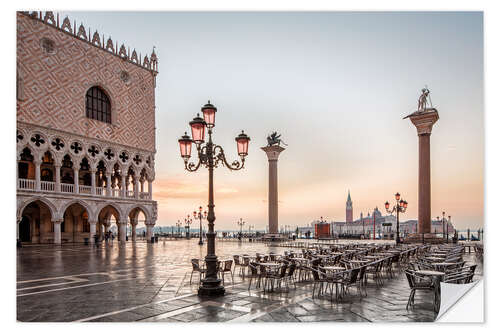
<point>176,188</point>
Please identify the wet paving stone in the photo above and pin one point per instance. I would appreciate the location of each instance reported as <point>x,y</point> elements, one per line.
<point>150,282</point>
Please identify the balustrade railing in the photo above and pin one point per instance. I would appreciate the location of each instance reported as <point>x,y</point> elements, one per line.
<point>67,188</point>
<point>26,184</point>
<point>84,189</point>
<point>30,184</point>
<point>99,191</point>
<point>47,186</point>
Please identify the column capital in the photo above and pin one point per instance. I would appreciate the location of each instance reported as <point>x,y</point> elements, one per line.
<point>57,221</point>
<point>37,162</point>
<point>121,222</point>
<point>272,152</point>
<point>424,120</point>
<point>92,222</point>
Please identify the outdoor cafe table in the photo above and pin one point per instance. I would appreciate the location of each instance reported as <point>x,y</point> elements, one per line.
<point>441,266</point>
<point>437,277</point>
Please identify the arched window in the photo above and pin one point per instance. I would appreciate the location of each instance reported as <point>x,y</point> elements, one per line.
<point>97,105</point>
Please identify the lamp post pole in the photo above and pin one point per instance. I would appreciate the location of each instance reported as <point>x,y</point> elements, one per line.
<point>400,206</point>
<point>448,224</point>
<point>210,155</point>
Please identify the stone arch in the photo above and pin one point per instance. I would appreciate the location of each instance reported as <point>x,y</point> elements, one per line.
<point>117,208</point>
<point>90,211</point>
<point>134,210</point>
<point>54,212</point>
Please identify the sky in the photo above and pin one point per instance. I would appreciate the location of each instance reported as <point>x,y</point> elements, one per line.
<point>336,85</point>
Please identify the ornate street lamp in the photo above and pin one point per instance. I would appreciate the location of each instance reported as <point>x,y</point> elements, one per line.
<point>447,225</point>
<point>210,155</point>
<point>400,207</point>
<point>188,222</point>
<point>200,216</point>
<point>240,223</point>
<point>178,224</point>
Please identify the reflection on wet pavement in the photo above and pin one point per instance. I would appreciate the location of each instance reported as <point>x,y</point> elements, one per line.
<point>150,282</point>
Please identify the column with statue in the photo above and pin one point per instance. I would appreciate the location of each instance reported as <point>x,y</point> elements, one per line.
<point>273,150</point>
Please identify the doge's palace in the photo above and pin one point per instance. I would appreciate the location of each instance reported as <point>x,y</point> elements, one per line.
<point>85,133</point>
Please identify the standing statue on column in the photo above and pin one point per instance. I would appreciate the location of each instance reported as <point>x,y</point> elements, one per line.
<point>422,100</point>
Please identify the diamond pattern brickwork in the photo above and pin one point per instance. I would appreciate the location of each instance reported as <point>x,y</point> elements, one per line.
<point>54,86</point>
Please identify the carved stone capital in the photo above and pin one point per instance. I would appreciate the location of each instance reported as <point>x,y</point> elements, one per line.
<point>424,121</point>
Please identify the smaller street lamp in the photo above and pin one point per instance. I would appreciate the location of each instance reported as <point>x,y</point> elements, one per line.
<point>188,221</point>
<point>178,224</point>
<point>200,216</point>
<point>400,207</point>
<point>240,223</point>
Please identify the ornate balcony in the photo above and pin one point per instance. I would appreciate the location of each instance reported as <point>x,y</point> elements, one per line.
<point>45,186</point>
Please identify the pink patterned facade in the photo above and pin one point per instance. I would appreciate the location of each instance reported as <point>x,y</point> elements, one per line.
<point>52,81</point>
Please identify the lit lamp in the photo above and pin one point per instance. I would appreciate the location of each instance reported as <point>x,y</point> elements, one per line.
<point>185,145</point>
<point>400,207</point>
<point>209,114</point>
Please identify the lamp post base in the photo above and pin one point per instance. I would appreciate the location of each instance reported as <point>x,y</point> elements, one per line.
<point>211,288</point>
<point>200,242</point>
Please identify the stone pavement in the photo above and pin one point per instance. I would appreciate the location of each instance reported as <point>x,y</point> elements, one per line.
<point>150,282</point>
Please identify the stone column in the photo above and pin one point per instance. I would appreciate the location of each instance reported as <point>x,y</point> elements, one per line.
<point>122,225</point>
<point>150,188</point>
<point>57,232</point>
<point>136,187</point>
<point>149,231</point>
<point>108,184</point>
<point>37,175</point>
<point>58,177</point>
<point>134,233</point>
<point>142,185</point>
<point>273,153</point>
<point>77,179</point>
<point>92,180</point>
<point>423,121</point>
<point>101,231</point>
<point>92,231</point>
<point>123,189</point>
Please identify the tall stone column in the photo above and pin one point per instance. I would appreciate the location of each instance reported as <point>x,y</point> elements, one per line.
<point>57,167</point>
<point>92,180</point>
<point>122,226</point>
<point>57,232</point>
<point>124,188</point>
<point>150,188</point>
<point>149,231</point>
<point>37,175</point>
<point>108,184</point>
<point>77,179</point>
<point>92,231</point>
<point>136,187</point>
<point>423,121</point>
<point>273,153</point>
<point>134,232</point>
